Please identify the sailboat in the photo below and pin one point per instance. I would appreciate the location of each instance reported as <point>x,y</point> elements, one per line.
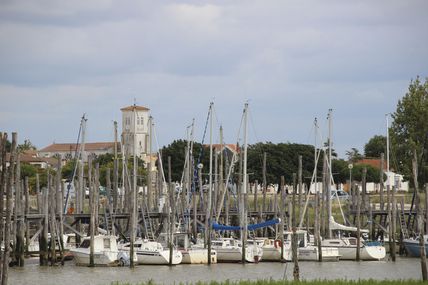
<point>106,252</point>
<point>230,250</point>
<point>152,252</point>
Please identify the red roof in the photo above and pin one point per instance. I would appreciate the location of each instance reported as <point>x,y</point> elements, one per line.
<point>66,147</point>
<point>374,162</point>
<point>137,108</point>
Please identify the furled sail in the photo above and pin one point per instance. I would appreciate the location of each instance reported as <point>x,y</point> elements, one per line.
<point>219,227</point>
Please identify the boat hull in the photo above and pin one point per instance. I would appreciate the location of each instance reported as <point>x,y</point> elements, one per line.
<point>198,256</point>
<point>413,247</point>
<point>158,257</point>
<point>106,258</point>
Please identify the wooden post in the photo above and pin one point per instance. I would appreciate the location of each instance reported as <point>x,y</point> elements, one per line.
<point>43,243</point>
<point>420,219</point>
<point>52,220</point>
<point>20,232</point>
<point>59,210</point>
<point>381,198</point>
<point>115,170</point>
<point>171,213</point>
<point>389,210</point>
<point>323,197</point>
<point>357,258</point>
<point>27,212</point>
<point>393,225</point>
<point>318,225</point>
<point>92,211</point>
<point>281,216</point>
<point>296,270</point>
<point>264,189</point>
<point>10,181</point>
<point>299,171</point>
<point>3,139</point>
<point>426,208</point>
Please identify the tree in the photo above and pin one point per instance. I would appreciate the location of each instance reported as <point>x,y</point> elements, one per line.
<point>353,155</point>
<point>409,130</point>
<point>176,150</point>
<point>27,145</point>
<point>375,146</point>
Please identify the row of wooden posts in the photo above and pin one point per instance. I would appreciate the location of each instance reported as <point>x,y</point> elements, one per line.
<point>50,204</point>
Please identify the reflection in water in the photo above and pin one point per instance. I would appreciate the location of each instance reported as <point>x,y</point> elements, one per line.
<point>69,274</point>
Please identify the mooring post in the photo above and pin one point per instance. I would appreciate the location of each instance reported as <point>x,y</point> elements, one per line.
<point>10,181</point>
<point>296,270</point>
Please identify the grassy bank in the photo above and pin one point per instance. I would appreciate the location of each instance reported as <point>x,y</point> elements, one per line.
<point>285,282</point>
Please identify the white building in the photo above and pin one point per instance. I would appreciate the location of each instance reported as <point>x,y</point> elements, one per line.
<point>135,122</point>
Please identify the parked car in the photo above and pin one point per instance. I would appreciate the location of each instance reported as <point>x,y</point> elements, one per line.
<point>342,195</point>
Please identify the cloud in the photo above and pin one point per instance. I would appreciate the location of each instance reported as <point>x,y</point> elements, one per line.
<point>293,60</point>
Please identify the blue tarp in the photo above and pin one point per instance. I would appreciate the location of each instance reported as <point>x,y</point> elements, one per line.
<point>218,227</point>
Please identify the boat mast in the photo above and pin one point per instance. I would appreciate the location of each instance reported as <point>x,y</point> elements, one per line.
<point>134,190</point>
<point>244,188</point>
<point>330,173</point>
<point>387,148</point>
<point>210,184</point>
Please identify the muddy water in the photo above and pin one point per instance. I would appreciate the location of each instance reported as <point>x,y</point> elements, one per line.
<point>32,273</point>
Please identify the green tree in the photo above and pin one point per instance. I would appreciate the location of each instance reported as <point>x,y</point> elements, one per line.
<point>375,146</point>
<point>409,130</point>
<point>27,145</point>
<point>353,155</point>
<point>176,150</point>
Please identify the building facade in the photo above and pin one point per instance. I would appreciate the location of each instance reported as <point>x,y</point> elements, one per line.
<point>135,124</point>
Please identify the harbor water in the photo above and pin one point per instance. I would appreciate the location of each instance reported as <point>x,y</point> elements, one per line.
<point>69,274</point>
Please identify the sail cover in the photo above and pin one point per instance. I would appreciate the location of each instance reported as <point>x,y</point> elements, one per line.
<point>218,227</point>
<point>336,226</point>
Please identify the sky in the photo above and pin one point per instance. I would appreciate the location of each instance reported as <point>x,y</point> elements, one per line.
<point>291,61</point>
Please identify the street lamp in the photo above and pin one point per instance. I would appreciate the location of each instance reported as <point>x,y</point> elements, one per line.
<point>350,166</point>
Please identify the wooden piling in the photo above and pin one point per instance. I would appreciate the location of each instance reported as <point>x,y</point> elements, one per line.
<point>26,213</point>
<point>92,211</point>
<point>43,242</point>
<point>3,140</point>
<point>299,177</point>
<point>381,198</point>
<point>296,270</point>
<point>357,258</point>
<point>420,218</point>
<point>281,216</point>
<point>10,181</point>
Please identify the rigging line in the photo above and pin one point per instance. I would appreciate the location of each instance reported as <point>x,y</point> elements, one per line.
<point>158,151</point>
<point>253,126</point>
<point>231,168</point>
<point>77,152</point>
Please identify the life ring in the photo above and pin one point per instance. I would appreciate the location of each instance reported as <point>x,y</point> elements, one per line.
<point>277,243</point>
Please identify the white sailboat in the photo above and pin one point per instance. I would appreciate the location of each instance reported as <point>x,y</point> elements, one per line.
<point>230,250</point>
<point>272,249</point>
<point>105,251</point>
<point>348,245</point>
<point>152,252</point>
<point>193,254</point>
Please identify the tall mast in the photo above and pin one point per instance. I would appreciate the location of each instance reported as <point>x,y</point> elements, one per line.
<point>387,148</point>
<point>330,173</point>
<point>244,188</point>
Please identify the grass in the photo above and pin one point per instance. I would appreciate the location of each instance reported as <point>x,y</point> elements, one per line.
<point>285,282</point>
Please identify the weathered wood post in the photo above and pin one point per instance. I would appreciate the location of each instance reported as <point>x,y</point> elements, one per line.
<point>52,220</point>
<point>19,214</point>
<point>27,211</point>
<point>296,270</point>
<point>264,189</point>
<point>281,216</point>
<point>357,258</point>
<point>420,219</point>
<point>381,186</point>
<point>10,181</point>
<point>3,139</point>
<point>59,209</point>
<point>92,211</point>
<point>171,213</point>
<point>299,177</point>
<point>393,225</point>
<point>43,242</point>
